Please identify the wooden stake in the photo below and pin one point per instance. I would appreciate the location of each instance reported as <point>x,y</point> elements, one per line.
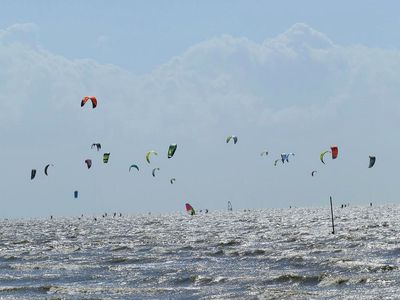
<point>333,224</point>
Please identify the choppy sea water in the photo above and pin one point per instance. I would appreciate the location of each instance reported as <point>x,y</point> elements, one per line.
<point>267,254</point>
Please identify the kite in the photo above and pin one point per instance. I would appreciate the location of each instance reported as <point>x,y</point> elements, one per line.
<point>91,98</point>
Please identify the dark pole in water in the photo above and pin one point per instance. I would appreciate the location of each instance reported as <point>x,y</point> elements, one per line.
<point>333,224</point>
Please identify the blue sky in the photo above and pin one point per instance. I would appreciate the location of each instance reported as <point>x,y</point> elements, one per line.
<point>282,77</point>
<point>140,35</point>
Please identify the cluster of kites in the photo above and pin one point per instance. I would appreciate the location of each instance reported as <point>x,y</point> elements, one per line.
<point>284,157</point>
<point>106,156</point>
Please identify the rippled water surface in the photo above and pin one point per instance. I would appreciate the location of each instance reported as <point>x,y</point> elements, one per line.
<point>268,254</point>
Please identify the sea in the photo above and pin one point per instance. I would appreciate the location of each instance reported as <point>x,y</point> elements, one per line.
<point>286,253</point>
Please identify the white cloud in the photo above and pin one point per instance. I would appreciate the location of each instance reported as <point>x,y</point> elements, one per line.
<point>18,28</point>
<point>19,33</point>
<point>223,80</point>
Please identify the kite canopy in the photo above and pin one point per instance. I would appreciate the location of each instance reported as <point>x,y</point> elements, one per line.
<point>149,153</point>
<point>232,137</point>
<point>313,172</point>
<point>264,153</point>
<point>321,156</point>
<point>285,157</point>
<point>33,173</point>
<point>276,161</point>
<point>171,150</point>
<point>190,209</point>
<point>46,168</point>
<point>172,180</point>
<point>133,166</point>
<point>335,151</point>
<point>106,156</point>
<point>372,160</point>
<point>88,162</point>
<point>91,98</point>
<point>154,171</point>
<point>97,145</point>
<point>75,194</point>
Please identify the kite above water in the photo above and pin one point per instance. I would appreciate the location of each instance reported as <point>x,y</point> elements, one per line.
<point>46,168</point>
<point>313,172</point>
<point>133,166</point>
<point>33,173</point>
<point>106,156</point>
<point>172,180</point>
<point>285,157</point>
<point>321,156</point>
<point>91,98</point>
<point>88,163</point>
<point>154,171</point>
<point>335,152</point>
<point>264,153</point>
<point>97,145</point>
<point>372,160</point>
<point>149,153</point>
<point>190,209</point>
<point>171,150</point>
<point>232,137</point>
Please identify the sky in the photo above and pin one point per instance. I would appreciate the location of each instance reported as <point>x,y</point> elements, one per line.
<point>283,77</point>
